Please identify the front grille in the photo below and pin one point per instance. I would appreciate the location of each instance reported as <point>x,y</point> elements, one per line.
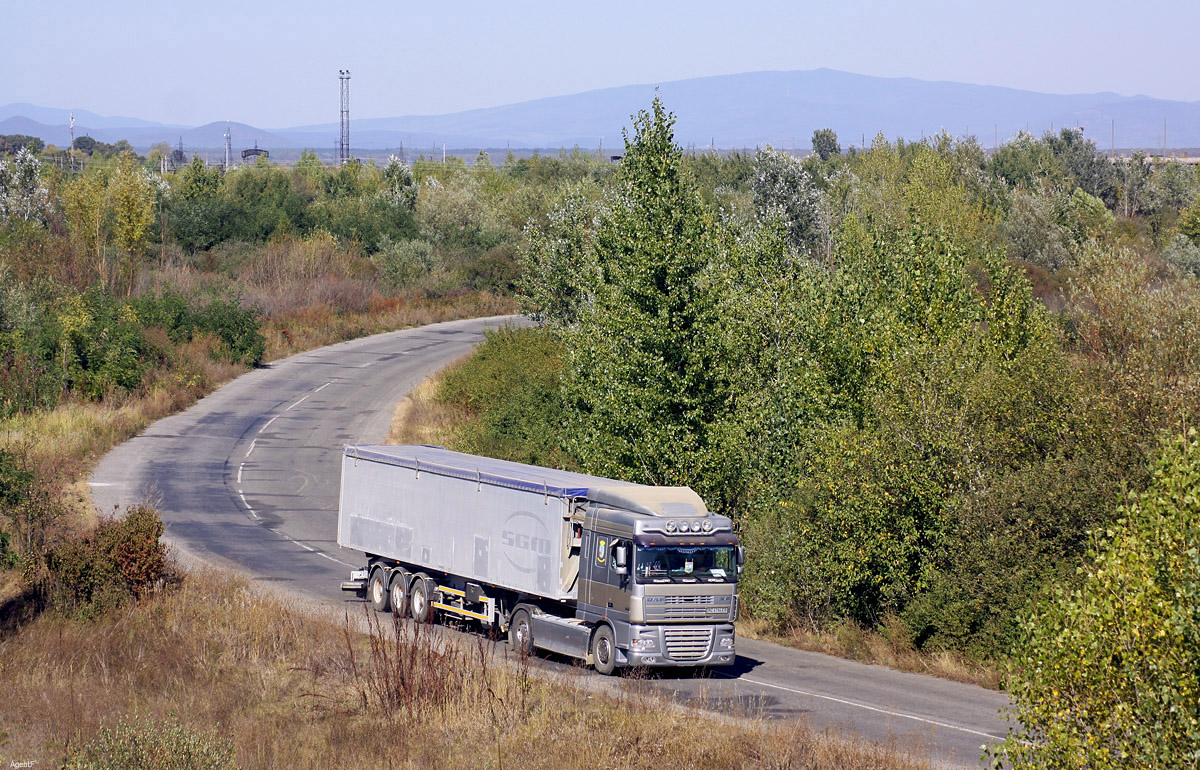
<point>688,643</point>
<point>695,609</point>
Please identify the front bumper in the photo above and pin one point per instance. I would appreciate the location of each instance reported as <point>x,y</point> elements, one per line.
<point>680,646</point>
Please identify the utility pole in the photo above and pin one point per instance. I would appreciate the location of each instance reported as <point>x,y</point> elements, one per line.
<point>344,148</point>
<point>228,144</point>
<point>72,141</point>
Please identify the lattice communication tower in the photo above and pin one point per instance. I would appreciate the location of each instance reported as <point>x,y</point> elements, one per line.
<point>344,146</point>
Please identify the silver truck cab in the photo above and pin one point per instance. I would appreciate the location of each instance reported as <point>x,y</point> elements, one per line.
<point>662,570</point>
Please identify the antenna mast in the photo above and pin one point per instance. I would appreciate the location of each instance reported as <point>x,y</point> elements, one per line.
<point>72,141</point>
<point>344,147</point>
<point>228,144</point>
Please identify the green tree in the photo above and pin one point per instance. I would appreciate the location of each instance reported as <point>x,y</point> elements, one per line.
<point>200,214</point>
<point>132,192</point>
<point>782,189</point>
<point>825,143</point>
<point>22,194</point>
<point>1106,672</point>
<point>1025,160</point>
<point>639,378</point>
<point>85,202</point>
<point>1092,173</point>
<point>85,144</point>
<point>1189,222</point>
<point>561,267</point>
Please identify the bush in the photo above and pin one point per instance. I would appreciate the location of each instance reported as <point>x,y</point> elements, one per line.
<point>152,745</point>
<point>1183,254</point>
<point>237,327</point>
<point>402,264</point>
<point>510,387</point>
<point>15,484</point>
<point>122,560</point>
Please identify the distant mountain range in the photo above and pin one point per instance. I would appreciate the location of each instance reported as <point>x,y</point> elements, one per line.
<point>746,110</point>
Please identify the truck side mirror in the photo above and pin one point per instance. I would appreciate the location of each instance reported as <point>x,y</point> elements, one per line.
<point>741,559</point>
<point>620,559</point>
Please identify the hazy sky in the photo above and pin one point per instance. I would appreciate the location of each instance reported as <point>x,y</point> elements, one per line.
<point>274,64</point>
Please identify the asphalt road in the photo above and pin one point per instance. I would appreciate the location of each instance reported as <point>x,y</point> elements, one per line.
<point>248,478</point>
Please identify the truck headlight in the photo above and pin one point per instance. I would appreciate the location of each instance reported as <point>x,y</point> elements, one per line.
<point>647,643</point>
<point>727,642</point>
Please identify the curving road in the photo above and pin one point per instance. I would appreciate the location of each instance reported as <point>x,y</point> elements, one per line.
<point>248,478</point>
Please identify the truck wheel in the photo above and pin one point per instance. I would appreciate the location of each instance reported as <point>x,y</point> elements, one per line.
<point>377,590</point>
<point>420,600</point>
<point>399,596</point>
<point>604,651</point>
<point>520,633</point>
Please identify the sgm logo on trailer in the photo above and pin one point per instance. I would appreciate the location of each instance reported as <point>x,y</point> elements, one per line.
<point>524,540</point>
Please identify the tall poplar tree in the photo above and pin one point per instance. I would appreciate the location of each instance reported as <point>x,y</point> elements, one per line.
<point>639,377</point>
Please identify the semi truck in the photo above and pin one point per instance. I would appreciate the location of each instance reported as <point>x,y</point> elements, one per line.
<point>612,573</point>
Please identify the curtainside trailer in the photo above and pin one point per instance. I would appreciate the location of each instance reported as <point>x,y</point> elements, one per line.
<point>613,573</point>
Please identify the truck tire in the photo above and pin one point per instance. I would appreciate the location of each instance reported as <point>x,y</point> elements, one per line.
<point>420,600</point>
<point>398,594</point>
<point>377,590</point>
<point>520,633</point>
<point>604,651</point>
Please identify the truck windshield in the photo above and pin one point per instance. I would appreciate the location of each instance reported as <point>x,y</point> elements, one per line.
<point>685,564</point>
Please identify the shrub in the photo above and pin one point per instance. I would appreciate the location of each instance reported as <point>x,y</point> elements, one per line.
<point>1183,254</point>
<point>510,389</point>
<point>122,560</point>
<point>237,327</point>
<point>152,745</point>
<point>402,264</point>
<point>15,484</point>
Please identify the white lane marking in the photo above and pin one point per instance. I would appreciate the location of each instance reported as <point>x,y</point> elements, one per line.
<point>251,449</point>
<point>901,714</point>
<point>247,504</point>
<point>104,484</point>
<point>264,427</point>
<point>326,385</point>
<point>364,366</point>
<point>243,465</point>
<point>339,561</point>
<point>309,548</point>
<point>298,403</point>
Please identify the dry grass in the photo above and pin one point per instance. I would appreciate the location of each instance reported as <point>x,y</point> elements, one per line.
<point>292,688</point>
<point>421,419</point>
<point>885,647</point>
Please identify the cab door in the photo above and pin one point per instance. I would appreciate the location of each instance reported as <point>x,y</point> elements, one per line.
<point>603,590</point>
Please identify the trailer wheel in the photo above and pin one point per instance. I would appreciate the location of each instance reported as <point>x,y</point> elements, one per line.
<point>604,651</point>
<point>420,600</point>
<point>377,590</point>
<point>399,594</point>
<point>520,633</point>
